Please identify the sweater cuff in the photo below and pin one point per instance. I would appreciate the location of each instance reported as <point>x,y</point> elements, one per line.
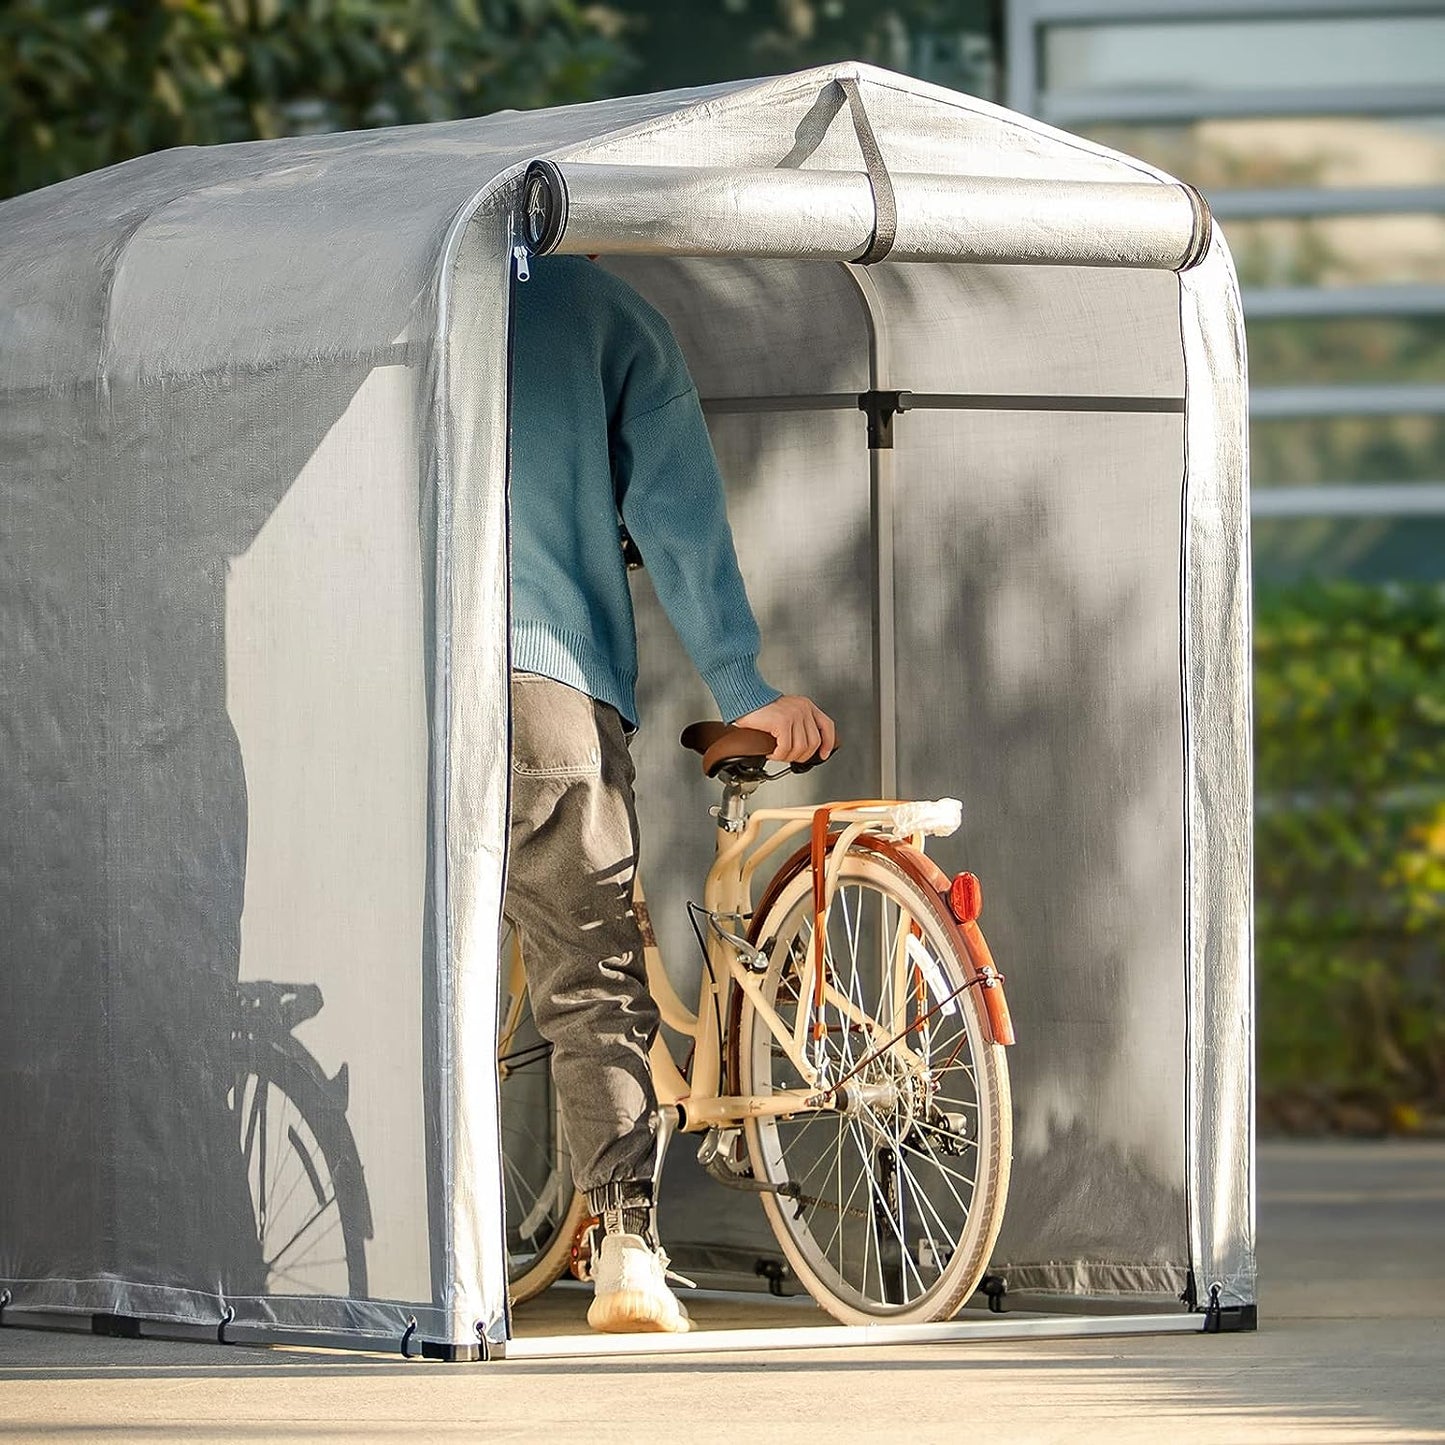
<point>739,688</point>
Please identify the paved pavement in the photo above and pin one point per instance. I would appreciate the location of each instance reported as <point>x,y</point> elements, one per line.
<point>1351,1348</point>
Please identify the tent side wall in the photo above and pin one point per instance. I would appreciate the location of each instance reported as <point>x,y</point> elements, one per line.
<point>220,982</point>
<point>471,787</point>
<point>1218,722</point>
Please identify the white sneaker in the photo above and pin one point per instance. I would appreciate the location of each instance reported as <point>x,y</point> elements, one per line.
<point>631,1293</point>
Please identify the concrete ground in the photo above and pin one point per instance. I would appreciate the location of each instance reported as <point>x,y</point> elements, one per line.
<point>1351,1348</point>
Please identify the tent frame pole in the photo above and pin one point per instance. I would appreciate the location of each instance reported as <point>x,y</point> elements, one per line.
<point>880,508</point>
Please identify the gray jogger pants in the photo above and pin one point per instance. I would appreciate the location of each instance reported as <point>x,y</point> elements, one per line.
<point>569,895</point>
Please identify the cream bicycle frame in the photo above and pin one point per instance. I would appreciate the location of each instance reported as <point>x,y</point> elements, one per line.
<point>727,895</point>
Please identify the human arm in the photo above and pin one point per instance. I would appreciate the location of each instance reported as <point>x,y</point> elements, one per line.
<point>671,498</point>
<point>800,727</point>
<point>675,512</point>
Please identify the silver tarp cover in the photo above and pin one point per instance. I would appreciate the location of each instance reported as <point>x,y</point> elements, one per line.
<point>253,731</point>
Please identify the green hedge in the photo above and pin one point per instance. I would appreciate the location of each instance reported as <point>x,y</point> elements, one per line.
<point>1350,855</point>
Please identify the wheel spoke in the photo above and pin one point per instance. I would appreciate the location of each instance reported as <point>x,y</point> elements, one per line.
<point>921,1195</point>
<point>942,1168</point>
<point>887,1211</point>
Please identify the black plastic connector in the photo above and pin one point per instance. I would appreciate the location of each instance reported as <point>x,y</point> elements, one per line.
<point>1220,1319</point>
<point>453,1354</point>
<point>1232,1319</point>
<point>442,1349</point>
<point>880,407</point>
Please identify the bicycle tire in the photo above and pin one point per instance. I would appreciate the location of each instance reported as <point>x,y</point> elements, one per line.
<point>947,1122</point>
<point>544,1212</point>
<point>278,1086</point>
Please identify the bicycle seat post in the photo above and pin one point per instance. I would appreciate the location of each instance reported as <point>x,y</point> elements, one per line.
<point>732,814</point>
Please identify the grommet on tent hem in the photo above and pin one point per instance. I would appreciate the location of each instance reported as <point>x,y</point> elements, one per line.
<point>5,1298</point>
<point>1213,1313</point>
<point>885,206</point>
<point>226,1318</point>
<point>406,1336</point>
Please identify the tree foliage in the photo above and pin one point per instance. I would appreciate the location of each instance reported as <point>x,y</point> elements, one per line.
<point>1350,853</point>
<point>85,85</point>
<point>712,40</point>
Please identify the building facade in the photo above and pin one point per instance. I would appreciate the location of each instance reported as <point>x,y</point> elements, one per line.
<point>1317,130</point>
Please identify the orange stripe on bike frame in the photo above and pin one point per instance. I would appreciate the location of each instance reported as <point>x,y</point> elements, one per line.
<point>818,855</point>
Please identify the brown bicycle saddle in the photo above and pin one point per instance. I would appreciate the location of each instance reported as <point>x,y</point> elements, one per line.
<point>720,743</point>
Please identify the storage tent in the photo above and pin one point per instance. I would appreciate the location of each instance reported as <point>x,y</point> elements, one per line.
<point>989,492</point>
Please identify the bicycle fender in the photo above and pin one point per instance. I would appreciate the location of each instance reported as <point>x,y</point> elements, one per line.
<point>974,951</point>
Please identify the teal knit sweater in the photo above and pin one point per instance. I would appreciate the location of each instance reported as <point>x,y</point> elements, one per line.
<point>606,420</point>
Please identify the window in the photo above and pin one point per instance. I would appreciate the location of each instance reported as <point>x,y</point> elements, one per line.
<point>1246,54</point>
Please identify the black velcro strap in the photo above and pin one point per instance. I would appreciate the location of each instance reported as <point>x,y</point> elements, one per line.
<point>885,208</point>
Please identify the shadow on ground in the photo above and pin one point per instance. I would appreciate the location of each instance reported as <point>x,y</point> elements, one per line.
<point>1352,1244</point>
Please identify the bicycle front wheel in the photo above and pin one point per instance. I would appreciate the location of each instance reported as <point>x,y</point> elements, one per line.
<point>887,1208</point>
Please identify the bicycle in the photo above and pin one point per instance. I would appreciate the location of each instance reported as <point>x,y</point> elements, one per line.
<point>308,1190</point>
<point>847,1058</point>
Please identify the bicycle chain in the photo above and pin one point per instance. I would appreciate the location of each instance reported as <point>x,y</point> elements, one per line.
<point>800,1200</point>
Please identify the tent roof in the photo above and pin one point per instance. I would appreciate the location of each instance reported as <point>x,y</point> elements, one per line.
<point>248,254</point>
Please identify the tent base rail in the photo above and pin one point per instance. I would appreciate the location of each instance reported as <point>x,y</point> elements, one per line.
<point>988,1327</point>
<point>230,1332</point>
<point>822,1337</point>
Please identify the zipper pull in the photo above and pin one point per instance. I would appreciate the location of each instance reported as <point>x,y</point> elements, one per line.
<point>519,255</point>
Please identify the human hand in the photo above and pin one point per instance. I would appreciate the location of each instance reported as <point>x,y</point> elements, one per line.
<point>798,725</point>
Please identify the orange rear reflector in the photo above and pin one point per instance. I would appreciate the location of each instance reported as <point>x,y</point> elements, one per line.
<point>965,897</point>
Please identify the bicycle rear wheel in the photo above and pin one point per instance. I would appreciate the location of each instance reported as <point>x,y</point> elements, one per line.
<point>888,1209</point>
<point>543,1210</point>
